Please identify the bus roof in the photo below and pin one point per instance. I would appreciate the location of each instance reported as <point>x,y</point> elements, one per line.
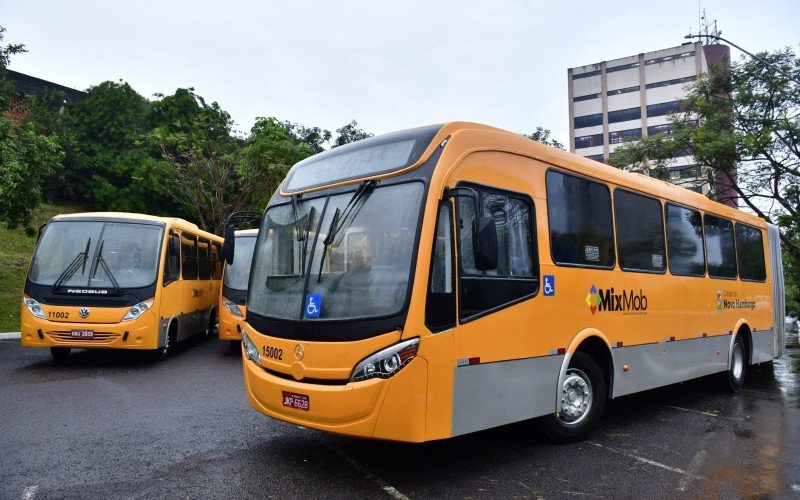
<point>128,216</point>
<point>492,138</point>
<point>246,233</point>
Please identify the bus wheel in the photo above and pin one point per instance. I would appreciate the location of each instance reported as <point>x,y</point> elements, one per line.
<point>60,354</point>
<point>170,340</point>
<point>583,400</point>
<point>212,323</point>
<point>737,370</point>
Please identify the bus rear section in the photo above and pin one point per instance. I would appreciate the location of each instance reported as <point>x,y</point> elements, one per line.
<point>114,281</point>
<point>445,280</point>
<point>233,296</point>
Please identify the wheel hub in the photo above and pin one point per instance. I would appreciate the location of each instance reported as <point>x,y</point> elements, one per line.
<point>576,399</point>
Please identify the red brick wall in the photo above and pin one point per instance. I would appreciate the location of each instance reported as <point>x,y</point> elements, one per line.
<point>18,109</point>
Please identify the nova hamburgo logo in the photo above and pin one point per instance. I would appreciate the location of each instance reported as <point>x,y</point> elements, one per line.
<point>628,301</point>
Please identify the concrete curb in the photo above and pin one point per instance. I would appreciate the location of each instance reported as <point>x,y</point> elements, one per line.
<point>9,335</point>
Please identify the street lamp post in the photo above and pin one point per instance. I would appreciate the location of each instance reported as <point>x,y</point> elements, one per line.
<point>762,61</point>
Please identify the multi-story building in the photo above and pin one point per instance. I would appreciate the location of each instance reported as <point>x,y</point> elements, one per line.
<point>615,101</point>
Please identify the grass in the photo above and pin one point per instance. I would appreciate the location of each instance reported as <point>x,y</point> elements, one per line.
<point>16,250</point>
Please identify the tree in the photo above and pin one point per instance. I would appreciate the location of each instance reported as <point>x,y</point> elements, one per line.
<point>743,127</point>
<point>26,156</point>
<point>349,133</point>
<point>314,137</point>
<point>543,135</point>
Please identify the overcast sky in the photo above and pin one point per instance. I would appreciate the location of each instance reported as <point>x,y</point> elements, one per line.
<point>388,65</point>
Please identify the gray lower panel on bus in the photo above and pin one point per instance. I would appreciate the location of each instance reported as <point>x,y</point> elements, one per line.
<point>664,363</point>
<point>492,394</point>
<point>188,324</point>
<point>763,342</point>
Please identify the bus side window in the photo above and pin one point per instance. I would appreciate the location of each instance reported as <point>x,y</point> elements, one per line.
<point>750,253</point>
<point>516,276</point>
<point>204,259</point>
<point>216,260</point>
<point>189,256</point>
<point>440,307</point>
<point>172,262</point>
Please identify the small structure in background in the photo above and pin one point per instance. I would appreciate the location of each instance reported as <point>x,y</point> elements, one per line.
<point>26,85</point>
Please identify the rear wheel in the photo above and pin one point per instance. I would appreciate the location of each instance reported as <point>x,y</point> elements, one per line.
<point>60,353</point>
<point>212,323</point>
<point>582,402</point>
<point>737,370</point>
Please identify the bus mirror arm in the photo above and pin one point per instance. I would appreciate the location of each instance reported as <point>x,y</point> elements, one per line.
<point>229,245</point>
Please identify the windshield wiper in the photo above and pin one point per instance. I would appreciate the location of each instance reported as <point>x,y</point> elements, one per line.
<point>78,261</point>
<point>339,220</point>
<point>100,261</point>
<point>305,239</point>
<point>300,235</point>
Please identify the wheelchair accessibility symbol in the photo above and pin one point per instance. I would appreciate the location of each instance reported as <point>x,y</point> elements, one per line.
<point>549,285</point>
<point>313,305</point>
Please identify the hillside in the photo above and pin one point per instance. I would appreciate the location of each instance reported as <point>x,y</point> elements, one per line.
<point>16,250</point>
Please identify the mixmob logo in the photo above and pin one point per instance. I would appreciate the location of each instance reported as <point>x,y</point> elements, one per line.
<point>629,302</point>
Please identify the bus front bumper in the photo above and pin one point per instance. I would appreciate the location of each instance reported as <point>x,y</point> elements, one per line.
<point>230,326</point>
<point>140,333</point>
<point>392,409</point>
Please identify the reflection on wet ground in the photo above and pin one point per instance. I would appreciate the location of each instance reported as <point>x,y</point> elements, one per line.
<point>759,455</point>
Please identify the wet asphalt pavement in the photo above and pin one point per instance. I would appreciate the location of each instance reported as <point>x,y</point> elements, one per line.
<point>116,425</point>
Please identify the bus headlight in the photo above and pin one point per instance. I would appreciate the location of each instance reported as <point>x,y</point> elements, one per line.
<point>34,307</point>
<point>387,362</point>
<point>137,310</point>
<point>232,307</point>
<point>250,349</point>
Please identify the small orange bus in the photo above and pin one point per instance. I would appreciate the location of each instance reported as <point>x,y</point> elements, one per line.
<point>233,294</point>
<point>120,281</point>
<point>443,280</point>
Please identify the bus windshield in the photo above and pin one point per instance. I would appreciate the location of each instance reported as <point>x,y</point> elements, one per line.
<point>236,274</point>
<point>97,254</point>
<point>361,271</point>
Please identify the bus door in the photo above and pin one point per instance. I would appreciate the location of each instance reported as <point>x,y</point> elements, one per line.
<point>502,374</point>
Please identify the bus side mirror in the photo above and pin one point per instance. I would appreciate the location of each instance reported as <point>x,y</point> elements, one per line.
<point>229,245</point>
<point>484,243</point>
<point>175,245</point>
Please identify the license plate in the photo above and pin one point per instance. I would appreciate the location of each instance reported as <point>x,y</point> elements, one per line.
<point>296,401</point>
<point>82,333</point>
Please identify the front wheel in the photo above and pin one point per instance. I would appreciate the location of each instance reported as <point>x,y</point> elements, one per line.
<point>582,402</point>
<point>60,354</point>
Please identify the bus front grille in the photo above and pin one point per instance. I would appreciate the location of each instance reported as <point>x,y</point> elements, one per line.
<point>97,338</point>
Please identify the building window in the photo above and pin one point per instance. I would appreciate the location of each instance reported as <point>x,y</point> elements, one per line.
<point>659,129</point>
<point>579,210</point>
<point>622,68</point>
<point>588,120</point>
<point>621,136</point>
<point>663,108</point>
<point>673,57</point>
<point>596,157</point>
<point>623,91</point>
<point>640,232</point>
<point>685,241</point>
<point>585,75</point>
<point>666,83</point>
<point>589,141</point>
<point>623,115</point>
<point>585,97</point>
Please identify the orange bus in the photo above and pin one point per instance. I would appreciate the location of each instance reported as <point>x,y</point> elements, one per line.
<point>233,294</point>
<point>120,281</point>
<point>443,280</point>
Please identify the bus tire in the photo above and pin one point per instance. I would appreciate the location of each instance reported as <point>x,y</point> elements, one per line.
<point>583,401</point>
<point>212,323</point>
<point>738,368</point>
<point>60,354</point>
<point>170,341</point>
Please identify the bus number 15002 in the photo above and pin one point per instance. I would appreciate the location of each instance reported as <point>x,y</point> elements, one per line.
<point>273,352</point>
